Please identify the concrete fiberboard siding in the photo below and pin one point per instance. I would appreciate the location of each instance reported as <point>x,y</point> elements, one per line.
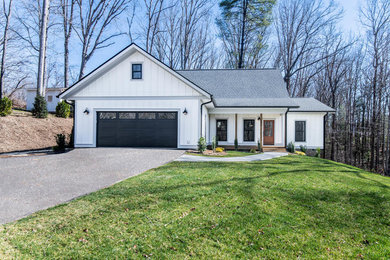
<point>314,128</point>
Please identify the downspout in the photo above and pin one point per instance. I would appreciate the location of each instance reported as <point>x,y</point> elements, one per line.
<point>324,134</point>
<point>201,115</point>
<point>285,127</point>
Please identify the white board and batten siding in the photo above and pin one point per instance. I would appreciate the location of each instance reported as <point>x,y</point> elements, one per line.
<point>158,90</point>
<point>314,128</point>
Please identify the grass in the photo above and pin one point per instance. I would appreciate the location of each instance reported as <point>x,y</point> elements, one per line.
<point>290,207</point>
<point>229,154</point>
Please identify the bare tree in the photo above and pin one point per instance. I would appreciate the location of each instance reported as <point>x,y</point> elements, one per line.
<point>154,12</point>
<point>95,17</point>
<point>7,9</point>
<point>42,47</point>
<point>184,40</point>
<point>299,26</point>
<point>376,18</point>
<point>67,10</point>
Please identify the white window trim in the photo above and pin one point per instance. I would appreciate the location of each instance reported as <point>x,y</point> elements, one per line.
<point>301,142</point>
<point>227,130</point>
<point>142,70</point>
<point>243,130</point>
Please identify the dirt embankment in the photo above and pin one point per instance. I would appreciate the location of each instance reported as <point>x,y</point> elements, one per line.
<point>21,131</point>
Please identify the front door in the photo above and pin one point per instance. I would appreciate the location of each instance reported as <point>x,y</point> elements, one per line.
<point>269,129</point>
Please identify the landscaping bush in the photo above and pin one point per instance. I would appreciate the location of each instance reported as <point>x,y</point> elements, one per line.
<point>5,106</point>
<point>291,147</point>
<point>219,149</point>
<point>303,148</point>
<point>202,145</point>
<point>252,150</point>
<point>236,144</point>
<point>71,139</point>
<point>259,147</point>
<point>214,143</point>
<point>61,143</point>
<point>318,153</point>
<point>63,109</point>
<point>40,107</point>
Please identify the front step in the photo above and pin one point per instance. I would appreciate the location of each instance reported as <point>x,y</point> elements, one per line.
<point>275,149</point>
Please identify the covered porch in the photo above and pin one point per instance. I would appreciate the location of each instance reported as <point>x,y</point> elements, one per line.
<point>248,126</point>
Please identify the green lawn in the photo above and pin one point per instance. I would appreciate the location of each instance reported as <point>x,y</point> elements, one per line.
<point>229,154</point>
<point>289,207</point>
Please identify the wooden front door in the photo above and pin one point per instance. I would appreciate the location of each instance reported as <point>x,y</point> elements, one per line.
<point>268,133</point>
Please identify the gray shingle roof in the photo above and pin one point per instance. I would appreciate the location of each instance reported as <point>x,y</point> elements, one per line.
<point>242,88</point>
<point>310,104</point>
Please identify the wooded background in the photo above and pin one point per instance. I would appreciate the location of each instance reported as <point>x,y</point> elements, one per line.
<point>53,43</point>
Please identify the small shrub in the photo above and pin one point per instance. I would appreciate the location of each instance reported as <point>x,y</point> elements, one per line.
<point>219,149</point>
<point>252,150</point>
<point>5,106</point>
<point>40,107</point>
<point>259,147</point>
<point>303,148</point>
<point>291,147</point>
<point>202,145</point>
<point>61,143</point>
<point>71,139</point>
<point>63,109</point>
<point>214,143</point>
<point>236,144</point>
<point>318,153</point>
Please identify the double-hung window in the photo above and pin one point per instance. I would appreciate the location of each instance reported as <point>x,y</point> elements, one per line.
<point>222,130</point>
<point>249,130</point>
<point>136,72</point>
<point>300,131</point>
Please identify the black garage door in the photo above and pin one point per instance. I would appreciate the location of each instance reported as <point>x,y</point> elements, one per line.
<point>137,129</point>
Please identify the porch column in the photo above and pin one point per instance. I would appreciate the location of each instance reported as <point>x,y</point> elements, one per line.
<point>261,129</point>
<point>235,127</point>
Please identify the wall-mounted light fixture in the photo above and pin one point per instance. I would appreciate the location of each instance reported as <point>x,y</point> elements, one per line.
<point>185,112</point>
<point>86,111</point>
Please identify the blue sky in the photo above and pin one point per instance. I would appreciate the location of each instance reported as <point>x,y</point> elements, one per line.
<point>350,22</point>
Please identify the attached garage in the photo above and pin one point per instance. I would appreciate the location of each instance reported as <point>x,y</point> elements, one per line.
<point>137,129</point>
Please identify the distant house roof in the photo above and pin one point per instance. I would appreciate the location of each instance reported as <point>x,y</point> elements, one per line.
<point>242,87</point>
<point>47,89</point>
<point>310,105</point>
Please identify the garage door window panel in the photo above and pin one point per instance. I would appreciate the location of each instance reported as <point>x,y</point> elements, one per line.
<point>147,116</point>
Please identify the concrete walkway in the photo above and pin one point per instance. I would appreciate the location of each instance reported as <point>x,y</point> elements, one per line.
<point>250,158</point>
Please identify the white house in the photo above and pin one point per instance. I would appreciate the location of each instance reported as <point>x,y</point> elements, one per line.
<point>134,100</point>
<point>51,98</point>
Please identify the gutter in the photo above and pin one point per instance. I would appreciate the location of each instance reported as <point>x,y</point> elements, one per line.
<point>201,114</point>
<point>324,134</point>
<point>285,127</point>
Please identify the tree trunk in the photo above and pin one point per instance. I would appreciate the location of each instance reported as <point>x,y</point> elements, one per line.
<point>42,47</point>
<point>242,37</point>
<point>5,41</point>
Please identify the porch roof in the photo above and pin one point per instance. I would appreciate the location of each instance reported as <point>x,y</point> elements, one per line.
<point>310,105</point>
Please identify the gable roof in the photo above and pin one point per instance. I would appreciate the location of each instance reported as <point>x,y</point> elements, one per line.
<point>242,87</point>
<point>119,56</point>
<point>310,105</point>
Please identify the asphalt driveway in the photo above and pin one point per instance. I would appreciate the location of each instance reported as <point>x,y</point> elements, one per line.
<point>29,184</point>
